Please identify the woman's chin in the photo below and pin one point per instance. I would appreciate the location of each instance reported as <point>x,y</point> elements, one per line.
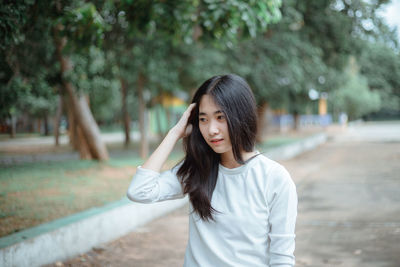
<point>220,150</point>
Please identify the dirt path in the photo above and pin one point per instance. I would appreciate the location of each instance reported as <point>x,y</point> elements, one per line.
<point>42,149</point>
<point>349,212</point>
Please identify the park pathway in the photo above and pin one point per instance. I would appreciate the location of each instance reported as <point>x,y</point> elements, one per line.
<point>349,209</point>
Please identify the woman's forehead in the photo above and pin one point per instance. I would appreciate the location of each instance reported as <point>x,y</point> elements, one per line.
<point>208,105</point>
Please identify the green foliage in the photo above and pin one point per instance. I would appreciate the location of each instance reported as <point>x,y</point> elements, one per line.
<point>188,21</point>
<point>161,71</point>
<point>105,100</point>
<point>27,71</point>
<point>162,36</point>
<point>203,62</point>
<point>11,94</point>
<point>32,97</point>
<point>381,66</point>
<point>282,65</point>
<point>12,18</point>
<point>92,75</point>
<point>225,20</point>
<point>356,99</point>
<point>81,24</point>
<point>282,49</point>
<point>340,28</point>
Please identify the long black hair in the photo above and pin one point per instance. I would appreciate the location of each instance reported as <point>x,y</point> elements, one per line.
<point>199,170</point>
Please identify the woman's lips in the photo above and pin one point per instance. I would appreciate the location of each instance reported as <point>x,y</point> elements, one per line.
<point>216,141</point>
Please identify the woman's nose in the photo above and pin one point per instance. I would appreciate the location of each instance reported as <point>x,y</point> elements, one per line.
<point>213,128</point>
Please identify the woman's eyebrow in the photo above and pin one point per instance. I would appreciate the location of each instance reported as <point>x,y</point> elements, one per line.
<point>204,114</point>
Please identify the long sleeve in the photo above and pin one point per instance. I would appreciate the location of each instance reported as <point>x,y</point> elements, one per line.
<point>282,219</point>
<point>148,186</point>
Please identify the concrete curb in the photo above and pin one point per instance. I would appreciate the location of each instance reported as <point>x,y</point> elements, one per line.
<point>296,148</point>
<point>67,237</point>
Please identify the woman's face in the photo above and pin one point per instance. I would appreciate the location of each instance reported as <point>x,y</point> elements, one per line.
<point>213,126</point>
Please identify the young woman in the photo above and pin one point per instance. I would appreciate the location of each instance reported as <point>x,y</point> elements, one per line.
<point>243,205</point>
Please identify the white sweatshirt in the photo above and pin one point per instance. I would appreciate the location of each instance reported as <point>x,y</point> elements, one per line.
<point>257,204</point>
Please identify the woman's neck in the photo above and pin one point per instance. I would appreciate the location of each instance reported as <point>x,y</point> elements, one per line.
<point>228,160</point>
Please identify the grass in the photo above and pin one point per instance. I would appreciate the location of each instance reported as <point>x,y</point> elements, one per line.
<point>4,136</point>
<point>279,141</point>
<point>35,193</point>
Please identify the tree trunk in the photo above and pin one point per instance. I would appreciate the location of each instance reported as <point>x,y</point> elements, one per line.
<point>57,119</point>
<point>160,131</point>
<point>46,125</point>
<point>87,125</point>
<point>125,114</point>
<point>261,122</point>
<point>13,129</point>
<point>14,66</point>
<point>294,110</point>
<point>83,148</point>
<point>169,119</point>
<point>144,143</point>
<point>296,124</point>
<point>72,126</point>
<point>39,126</point>
<point>81,111</point>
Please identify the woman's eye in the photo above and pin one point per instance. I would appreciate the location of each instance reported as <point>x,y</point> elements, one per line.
<point>221,117</point>
<point>202,119</point>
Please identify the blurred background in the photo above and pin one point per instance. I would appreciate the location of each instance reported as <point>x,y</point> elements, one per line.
<point>74,66</point>
<point>105,80</point>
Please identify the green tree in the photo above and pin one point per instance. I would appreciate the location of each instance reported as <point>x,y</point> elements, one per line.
<point>75,27</point>
<point>25,89</point>
<point>142,25</point>
<point>281,65</point>
<point>355,97</point>
<point>380,64</point>
<point>342,30</point>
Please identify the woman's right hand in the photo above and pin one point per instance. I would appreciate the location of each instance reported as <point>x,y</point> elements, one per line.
<point>182,128</point>
<point>160,155</point>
